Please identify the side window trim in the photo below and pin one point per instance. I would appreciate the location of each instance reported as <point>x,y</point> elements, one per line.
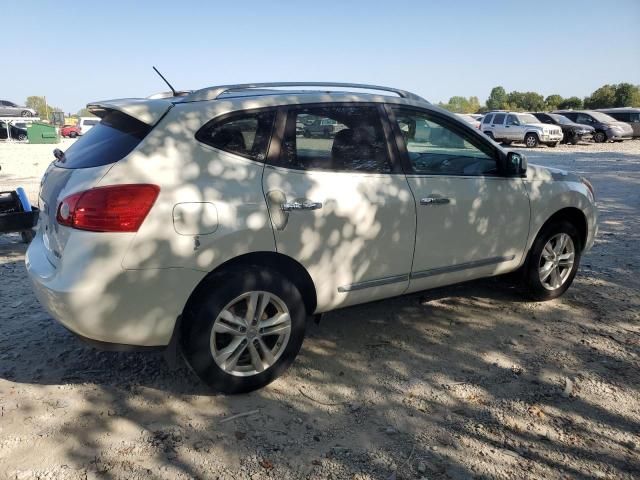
<point>467,132</point>
<point>279,132</point>
<point>239,113</point>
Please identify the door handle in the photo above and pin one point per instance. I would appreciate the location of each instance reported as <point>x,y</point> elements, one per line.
<point>434,201</point>
<point>305,205</point>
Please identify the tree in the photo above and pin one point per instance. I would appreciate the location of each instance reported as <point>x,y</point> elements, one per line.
<point>603,97</point>
<point>42,109</point>
<point>552,102</point>
<point>626,95</point>
<point>462,105</point>
<point>84,112</point>
<point>574,103</point>
<point>497,98</point>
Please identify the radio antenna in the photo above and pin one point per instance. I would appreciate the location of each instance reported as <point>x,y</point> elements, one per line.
<point>173,90</point>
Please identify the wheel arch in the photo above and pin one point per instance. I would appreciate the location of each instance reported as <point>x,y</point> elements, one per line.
<point>283,264</point>
<point>573,215</point>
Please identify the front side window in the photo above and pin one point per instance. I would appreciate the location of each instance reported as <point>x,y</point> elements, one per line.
<point>437,148</point>
<point>351,140</point>
<point>499,119</point>
<point>583,118</point>
<point>512,120</point>
<point>245,133</point>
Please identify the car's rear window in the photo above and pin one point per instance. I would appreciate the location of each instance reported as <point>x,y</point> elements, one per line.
<point>107,142</point>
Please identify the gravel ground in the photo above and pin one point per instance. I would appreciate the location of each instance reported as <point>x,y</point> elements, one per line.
<point>469,381</point>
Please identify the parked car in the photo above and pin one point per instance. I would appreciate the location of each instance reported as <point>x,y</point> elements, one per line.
<point>85,124</point>
<point>313,126</point>
<point>10,109</point>
<point>170,226</point>
<point>471,120</point>
<point>71,131</point>
<point>15,133</point>
<point>509,127</point>
<point>572,132</point>
<point>628,115</point>
<point>605,127</point>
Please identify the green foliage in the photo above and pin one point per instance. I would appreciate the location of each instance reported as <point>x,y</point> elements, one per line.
<point>615,95</point>
<point>38,104</point>
<point>83,112</point>
<point>497,99</point>
<point>574,103</point>
<point>462,104</point>
<point>552,102</point>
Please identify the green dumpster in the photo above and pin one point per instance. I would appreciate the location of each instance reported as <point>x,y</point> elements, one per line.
<point>42,133</point>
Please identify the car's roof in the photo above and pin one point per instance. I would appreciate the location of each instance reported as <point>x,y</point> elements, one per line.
<point>619,109</point>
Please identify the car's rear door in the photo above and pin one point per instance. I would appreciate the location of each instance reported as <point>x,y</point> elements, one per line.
<point>471,220</point>
<point>497,125</point>
<point>341,206</point>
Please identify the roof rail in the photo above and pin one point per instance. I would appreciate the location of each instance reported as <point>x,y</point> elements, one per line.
<point>212,93</point>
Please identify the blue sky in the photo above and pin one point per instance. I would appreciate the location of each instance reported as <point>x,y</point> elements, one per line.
<point>76,52</point>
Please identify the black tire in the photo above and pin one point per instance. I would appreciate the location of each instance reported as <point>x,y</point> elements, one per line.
<point>531,140</point>
<point>531,276</point>
<point>306,134</point>
<point>599,137</point>
<point>73,135</point>
<point>553,144</point>
<point>27,236</point>
<point>22,137</point>
<point>25,113</point>
<point>490,135</point>
<point>222,289</point>
<point>507,143</point>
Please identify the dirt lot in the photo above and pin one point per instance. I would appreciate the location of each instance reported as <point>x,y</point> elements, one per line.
<point>469,381</point>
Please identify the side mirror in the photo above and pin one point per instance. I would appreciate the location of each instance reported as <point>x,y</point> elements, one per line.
<point>516,164</point>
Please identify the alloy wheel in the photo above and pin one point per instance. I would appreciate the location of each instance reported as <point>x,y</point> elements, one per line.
<point>556,261</point>
<point>250,333</point>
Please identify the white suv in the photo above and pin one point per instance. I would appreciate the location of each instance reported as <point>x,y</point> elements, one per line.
<point>508,127</point>
<point>203,222</point>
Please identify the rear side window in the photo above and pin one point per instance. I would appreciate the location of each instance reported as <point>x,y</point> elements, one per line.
<point>90,122</point>
<point>245,133</point>
<point>487,119</point>
<point>349,139</point>
<point>499,118</point>
<point>110,140</point>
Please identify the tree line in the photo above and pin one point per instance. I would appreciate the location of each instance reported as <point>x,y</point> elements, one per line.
<point>607,96</point>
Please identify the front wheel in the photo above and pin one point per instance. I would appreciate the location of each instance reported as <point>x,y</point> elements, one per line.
<point>26,113</point>
<point>599,137</point>
<point>531,140</point>
<point>244,330</point>
<point>553,261</point>
<point>22,137</point>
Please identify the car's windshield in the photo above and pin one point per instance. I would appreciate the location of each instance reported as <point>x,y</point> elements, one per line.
<point>527,118</point>
<point>602,117</point>
<point>561,119</point>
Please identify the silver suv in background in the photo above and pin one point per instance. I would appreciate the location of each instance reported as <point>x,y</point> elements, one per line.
<point>509,127</point>
<point>10,109</point>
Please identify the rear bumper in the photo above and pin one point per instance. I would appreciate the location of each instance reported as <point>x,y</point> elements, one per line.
<point>112,308</point>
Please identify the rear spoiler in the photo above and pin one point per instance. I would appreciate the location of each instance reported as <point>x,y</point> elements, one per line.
<point>146,110</point>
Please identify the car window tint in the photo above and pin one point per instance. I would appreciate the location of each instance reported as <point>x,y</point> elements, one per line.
<point>498,119</point>
<point>634,117</point>
<point>110,140</point>
<point>487,119</point>
<point>245,133</point>
<point>436,148</point>
<point>90,122</point>
<point>339,138</point>
<point>512,120</point>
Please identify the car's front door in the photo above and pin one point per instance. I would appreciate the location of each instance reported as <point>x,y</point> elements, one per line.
<point>471,220</point>
<point>3,108</point>
<point>341,206</point>
<point>513,129</point>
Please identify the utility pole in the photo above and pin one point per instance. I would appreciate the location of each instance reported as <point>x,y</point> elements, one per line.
<point>46,108</point>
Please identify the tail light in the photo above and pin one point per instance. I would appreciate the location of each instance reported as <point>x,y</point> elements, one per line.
<point>115,208</point>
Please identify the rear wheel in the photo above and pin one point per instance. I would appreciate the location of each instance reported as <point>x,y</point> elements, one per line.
<point>599,137</point>
<point>507,143</point>
<point>553,261</point>
<point>73,135</point>
<point>531,140</point>
<point>489,134</point>
<point>22,137</point>
<point>245,331</point>
<point>25,113</point>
